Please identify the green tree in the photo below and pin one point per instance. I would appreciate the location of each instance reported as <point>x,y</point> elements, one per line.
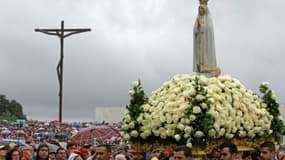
<point>11,109</point>
<point>3,104</point>
<point>16,109</point>
<point>8,116</point>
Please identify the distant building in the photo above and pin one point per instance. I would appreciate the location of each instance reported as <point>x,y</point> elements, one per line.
<point>109,114</point>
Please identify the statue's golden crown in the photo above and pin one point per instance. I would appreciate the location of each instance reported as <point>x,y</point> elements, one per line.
<point>203,2</point>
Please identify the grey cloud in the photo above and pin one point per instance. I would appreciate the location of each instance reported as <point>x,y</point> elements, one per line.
<point>130,40</point>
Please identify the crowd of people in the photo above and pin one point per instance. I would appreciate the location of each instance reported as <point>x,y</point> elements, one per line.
<point>226,151</point>
<point>42,146</point>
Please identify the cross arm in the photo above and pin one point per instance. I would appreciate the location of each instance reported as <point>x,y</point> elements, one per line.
<point>53,32</point>
<point>75,31</point>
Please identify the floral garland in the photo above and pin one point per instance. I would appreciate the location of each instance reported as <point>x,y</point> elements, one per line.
<point>199,115</point>
<point>133,110</point>
<point>193,110</point>
<point>269,99</point>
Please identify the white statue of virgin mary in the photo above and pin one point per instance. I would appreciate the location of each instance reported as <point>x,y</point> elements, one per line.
<point>204,60</point>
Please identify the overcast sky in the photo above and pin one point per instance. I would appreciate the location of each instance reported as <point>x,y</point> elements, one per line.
<point>150,40</point>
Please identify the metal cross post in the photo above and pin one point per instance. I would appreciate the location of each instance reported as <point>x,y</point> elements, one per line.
<point>61,34</point>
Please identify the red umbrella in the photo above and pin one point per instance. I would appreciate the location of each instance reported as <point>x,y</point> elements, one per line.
<point>101,133</point>
<point>55,121</point>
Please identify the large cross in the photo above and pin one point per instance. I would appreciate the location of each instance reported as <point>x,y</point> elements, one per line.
<point>61,33</point>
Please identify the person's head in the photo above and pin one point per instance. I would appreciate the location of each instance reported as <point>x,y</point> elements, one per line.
<point>267,151</point>
<point>71,146</point>
<point>103,152</point>
<point>246,155</point>
<point>255,155</point>
<point>42,152</point>
<point>51,156</point>
<point>281,151</point>
<point>61,154</point>
<point>155,152</point>
<point>74,156</point>
<point>3,151</point>
<point>228,151</point>
<point>84,152</point>
<point>202,10</point>
<point>215,154</point>
<point>182,153</point>
<point>239,155</point>
<point>13,154</point>
<point>120,157</point>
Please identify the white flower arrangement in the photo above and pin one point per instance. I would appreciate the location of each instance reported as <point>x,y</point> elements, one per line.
<point>190,109</point>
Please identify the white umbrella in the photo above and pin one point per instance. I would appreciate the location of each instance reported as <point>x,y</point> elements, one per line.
<point>6,132</point>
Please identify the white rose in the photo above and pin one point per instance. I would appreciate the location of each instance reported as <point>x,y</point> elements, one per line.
<point>127,118</point>
<point>212,133</point>
<point>261,133</point>
<point>163,135</point>
<point>186,135</point>
<point>180,126</point>
<point>147,132</point>
<point>125,127</point>
<point>162,119</point>
<point>132,125</point>
<point>189,145</point>
<point>273,97</point>
<point>126,136</point>
<point>263,105</point>
<point>203,79</point>
<point>229,136</point>
<point>187,121</point>
<point>143,135</point>
<point>199,134</point>
<point>234,129</point>
<point>196,109</point>
<point>134,133</point>
<point>176,90</point>
<point>204,105</point>
<point>222,132</point>
<point>192,117</point>
<point>192,91</point>
<point>257,129</point>
<point>177,137</point>
<point>265,84</point>
<point>242,134</point>
<point>188,129</point>
<point>199,97</point>
<point>146,107</point>
<point>217,126</point>
<point>131,92</point>
<point>168,119</point>
<point>156,132</point>
<point>186,93</point>
<point>135,83</point>
<point>170,132</point>
<point>270,131</point>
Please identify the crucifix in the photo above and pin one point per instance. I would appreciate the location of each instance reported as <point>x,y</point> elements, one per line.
<point>60,33</point>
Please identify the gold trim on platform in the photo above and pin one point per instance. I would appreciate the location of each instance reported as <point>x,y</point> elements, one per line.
<point>245,144</point>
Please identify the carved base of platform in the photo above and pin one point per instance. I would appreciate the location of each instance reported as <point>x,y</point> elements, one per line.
<point>246,144</point>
